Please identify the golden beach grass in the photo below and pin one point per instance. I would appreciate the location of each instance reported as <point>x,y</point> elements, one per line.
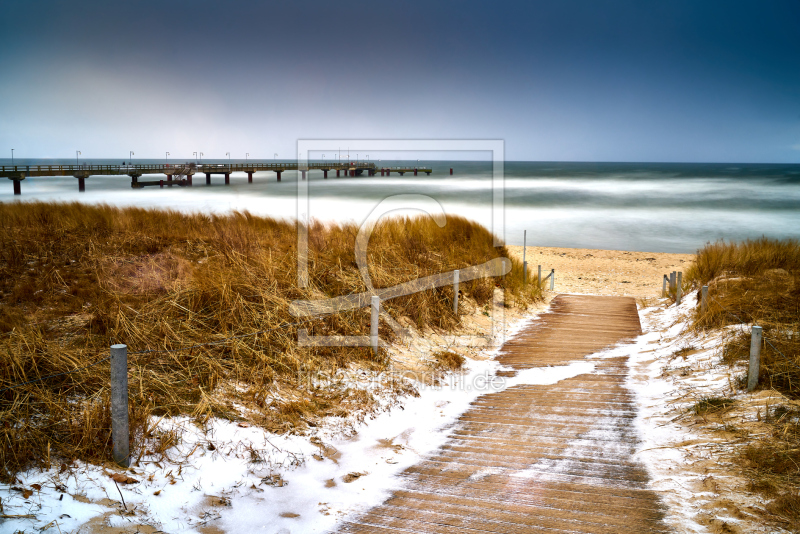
<point>75,279</point>
<point>758,282</point>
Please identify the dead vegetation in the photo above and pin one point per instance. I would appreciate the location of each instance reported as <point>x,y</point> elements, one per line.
<point>75,279</point>
<point>758,282</point>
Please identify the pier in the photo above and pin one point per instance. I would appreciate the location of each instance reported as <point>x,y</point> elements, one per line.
<point>181,174</point>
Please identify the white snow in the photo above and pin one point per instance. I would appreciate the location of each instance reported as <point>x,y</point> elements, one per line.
<point>268,482</point>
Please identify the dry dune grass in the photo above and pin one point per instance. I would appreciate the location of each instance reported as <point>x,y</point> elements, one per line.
<point>759,282</point>
<point>75,279</point>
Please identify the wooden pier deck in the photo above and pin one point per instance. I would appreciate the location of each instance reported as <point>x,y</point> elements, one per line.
<point>538,459</point>
<point>181,174</point>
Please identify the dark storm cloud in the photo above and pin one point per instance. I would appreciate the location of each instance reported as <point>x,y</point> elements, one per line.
<point>584,80</point>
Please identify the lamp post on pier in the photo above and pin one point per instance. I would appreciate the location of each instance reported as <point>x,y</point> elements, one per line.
<point>130,156</point>
<point>246,155</point>
<point>12,157</point>
<point>229,159</point>
<point>166,158</point>
<point>195,156</point>
<point>77,153</point>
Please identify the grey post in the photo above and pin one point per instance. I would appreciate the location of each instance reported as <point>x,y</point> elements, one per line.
<point>373,331</point>
<point>552,279</point>
<point>664,287</point>
<point>679,288</point>
<point>540,277</point>
<point>755,358</point>
<point>671,282</point>
<point>455,291</point>
<point>704,300</point>
<point>524,263</point>
<point>120,434</point>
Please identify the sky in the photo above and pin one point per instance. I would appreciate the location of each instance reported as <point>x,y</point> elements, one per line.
<point>692,81</point>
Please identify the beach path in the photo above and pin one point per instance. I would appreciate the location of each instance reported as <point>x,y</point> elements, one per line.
<point>538,458</point>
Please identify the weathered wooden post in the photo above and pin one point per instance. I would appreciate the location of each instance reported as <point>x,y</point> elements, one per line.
<point>704,300</point>
<point>373,331</point>
<point>524,263</point>
<point>679,288</point>
<point>552,279</point>
<point>672,282</point>
<point>456,275</point>
<point>539,280</point>
<point>120,435</point>
<point>755,358</point>
<point>664,287</point>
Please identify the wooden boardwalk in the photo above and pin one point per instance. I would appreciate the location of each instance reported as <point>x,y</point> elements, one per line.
<point>538,459</point>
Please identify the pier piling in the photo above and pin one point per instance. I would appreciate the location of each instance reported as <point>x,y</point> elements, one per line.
<point>208,178</point>
<point>249,177</point>
<point>227,178</point>
<point>17,187</point>
<point>81,185</point>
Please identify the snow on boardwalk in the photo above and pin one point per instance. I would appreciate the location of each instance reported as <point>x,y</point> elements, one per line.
<point>538,458</point>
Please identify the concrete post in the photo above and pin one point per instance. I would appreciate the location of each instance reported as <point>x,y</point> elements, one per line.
<point>539,279</point>
<point>456,275</point>
<point>552,279</point>
<point>120,435</point>
<point>755,358</point>
<point>17,187</point>
<point>227,178</point>
<point>373,331</point>
<point>679,288</point>
<point>704,300</point>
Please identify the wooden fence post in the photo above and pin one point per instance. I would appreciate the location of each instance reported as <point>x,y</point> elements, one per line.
<point>704,300</point>
<point>679,288</point>
<point>552,280</point>
<point>539,280</point>
<point>524,263</point>
<point>755,358</point>
<point>455,291</point>
<point>120,434</point>
<point>664,287</point>
<point>672,282</point>
<point>373,331</point>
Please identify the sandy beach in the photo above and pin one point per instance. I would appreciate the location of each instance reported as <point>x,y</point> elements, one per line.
<point>604,272</point>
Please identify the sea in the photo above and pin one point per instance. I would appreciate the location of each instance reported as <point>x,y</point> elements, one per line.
<point>658,207</point>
